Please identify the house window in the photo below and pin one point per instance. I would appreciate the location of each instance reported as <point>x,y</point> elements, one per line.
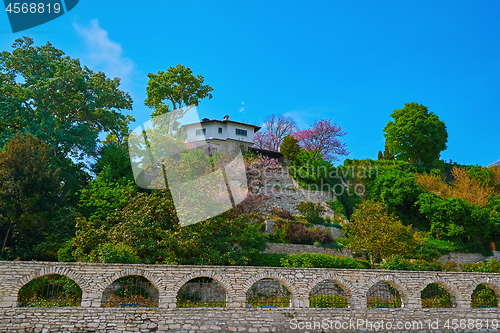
<point>201,131</point>
<point>241,132</point>
<point>220,130</point>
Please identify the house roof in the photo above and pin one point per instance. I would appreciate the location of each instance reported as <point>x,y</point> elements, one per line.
<point>207,121</point>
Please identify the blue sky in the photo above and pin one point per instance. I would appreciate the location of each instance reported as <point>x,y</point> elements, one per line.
<point>350,61</point>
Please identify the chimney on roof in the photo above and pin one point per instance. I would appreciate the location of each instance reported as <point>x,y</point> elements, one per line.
<point>226,118</point>
<point>204,120</point>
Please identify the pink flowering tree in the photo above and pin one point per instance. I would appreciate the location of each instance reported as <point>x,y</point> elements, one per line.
<point>324,137</point>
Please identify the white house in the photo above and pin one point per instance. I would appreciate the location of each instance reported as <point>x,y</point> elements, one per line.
<point>220,135</point>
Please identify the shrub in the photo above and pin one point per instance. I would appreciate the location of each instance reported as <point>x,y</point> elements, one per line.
<point>431,248</point>
<point>298,234</point>
<point>332,245</point>
<point>322,261</point>
<point>308,208</point>
<point>335,225</point>
<point>328,301</point>
<point>321,236</point>
<point>397,262</point>
<point>268,259</point>
<point>337,207</point>
<point>283,214</point>
<point>491,266</point>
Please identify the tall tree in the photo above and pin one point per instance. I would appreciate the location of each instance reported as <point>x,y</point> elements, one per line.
<point>179,88</point>
<point>323,137</point>
<point>275,129</point>
<point>415,134</point>
<point>51,96</point>
<point>30,194</point>
<point>290,148</point>
<point>374,231</point>
<point>380,156</point>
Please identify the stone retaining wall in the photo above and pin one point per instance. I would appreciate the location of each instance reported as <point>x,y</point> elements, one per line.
<point>94,278</point>
<point>300,248</point>
<point>468,258</point>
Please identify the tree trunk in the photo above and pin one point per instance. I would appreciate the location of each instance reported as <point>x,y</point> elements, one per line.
<point>419,161</point>
<point>5,240</point>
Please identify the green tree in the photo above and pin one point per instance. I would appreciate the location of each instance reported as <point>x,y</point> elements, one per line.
<point>380,156</point>
<point>457,220</point>
<point>60,102</point>
<point>398,190</point>
<point>415,134</point>
<point>147,230</point>
<point>50,95</point>
<point>177,86</point>
<point>30,195</point>
<point>290,148</point>
<point>374,231</point>
<point>387,154</point>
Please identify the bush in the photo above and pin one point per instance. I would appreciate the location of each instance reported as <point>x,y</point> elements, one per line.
<point>283,214</point>
<point>335,225</point>
<point>308,208</point>
<point>322,261</point>
<point>431,248</point>
<point>298,234</point>
<point>321,236</point>
<point>332,245</point>
<point>397,262</point>
<point>311,211</point>
<point>491,266</point>
<point>337,207</point>
<point>268,259</point>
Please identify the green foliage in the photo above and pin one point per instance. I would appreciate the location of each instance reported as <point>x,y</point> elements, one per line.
<point>416,134</point>
<point>103,196</point>
<point>311,211</point>
<point>398,190</point>
<point>147,230</point>
<point>457,220</point>
<point>335,225</point>
<point>397,262</point>
<point>435,296</point>
<point>337,207</point>
<point>375,232</point>
<point>311,171</point>
<point>50,95</point>
<point>322,261</point>
<point>268,259</point>
<point>37,292</point>
<point>290,148</point>
<point>483,297</point>
<point>120,253</point>
<point>431,248</point>
<point>113,163</point>
<point>330,245</point>
<point>375,302</point>
<point>350,200</point>
<point>31,195</point>
<point>272,301</point>
<point>491,266</point>
<point>200,304</point>
<point>178,86</point>
<point>328,301</point>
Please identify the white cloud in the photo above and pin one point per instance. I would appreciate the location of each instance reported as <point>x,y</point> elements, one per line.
<point>104,54</point>
<point>242,109</point>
